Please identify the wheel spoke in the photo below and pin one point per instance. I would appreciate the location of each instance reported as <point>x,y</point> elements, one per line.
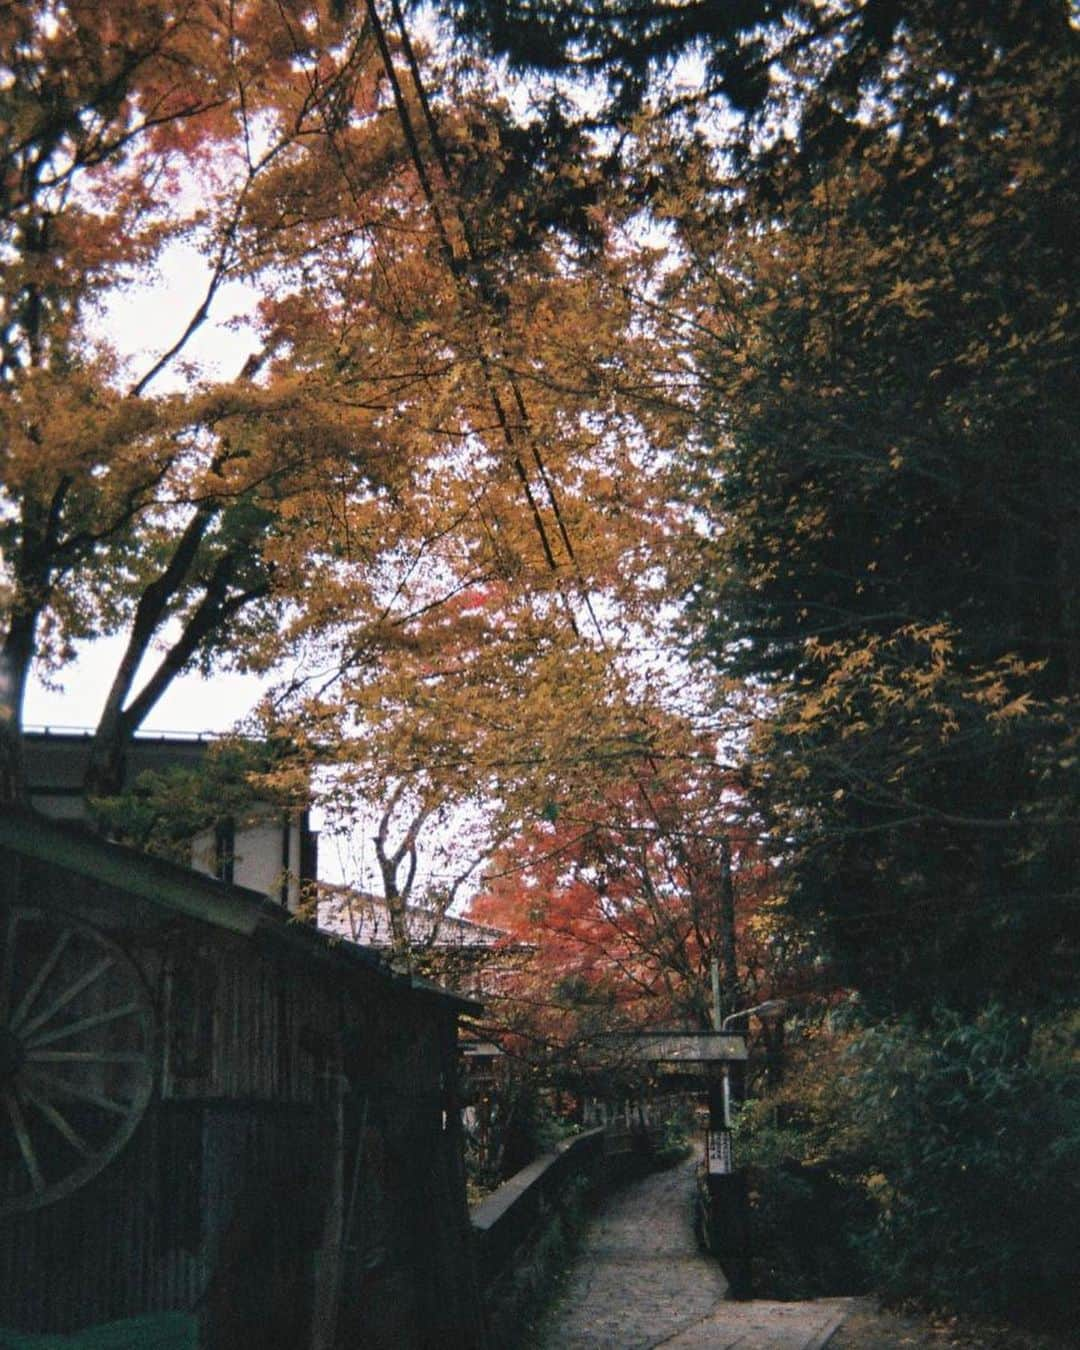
<point>84,1057</point>
<point>60,1087</point>
<point>7,965</point>
<point>84,1024</point>
<point>26,1148</point>
<point>27,1001</point>
<point>59,1122</point>
<point>77,1051</point>
<point>73,991</point>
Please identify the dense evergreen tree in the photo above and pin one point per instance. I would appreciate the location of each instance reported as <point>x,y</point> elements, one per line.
<point>895,487</point>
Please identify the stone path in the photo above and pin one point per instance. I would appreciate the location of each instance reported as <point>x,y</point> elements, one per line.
<point>640,1282</point>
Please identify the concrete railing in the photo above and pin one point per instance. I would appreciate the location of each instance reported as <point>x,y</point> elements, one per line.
<point>505,1221</point>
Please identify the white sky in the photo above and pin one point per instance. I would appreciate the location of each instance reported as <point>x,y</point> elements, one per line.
<point>190,704</point>
<point>144,322</point>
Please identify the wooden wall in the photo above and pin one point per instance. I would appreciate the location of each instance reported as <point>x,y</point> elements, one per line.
<point>296,1178</point>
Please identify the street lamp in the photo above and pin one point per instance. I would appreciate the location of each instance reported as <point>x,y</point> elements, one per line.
<point>770,1008</point>
<point>728,1212</point>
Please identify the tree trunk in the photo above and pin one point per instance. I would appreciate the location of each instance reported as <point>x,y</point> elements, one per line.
<point>106,769</point>
<point>13,786</point>
<point>729,963</point>
<point>34,577</point>
<point>15,660</point>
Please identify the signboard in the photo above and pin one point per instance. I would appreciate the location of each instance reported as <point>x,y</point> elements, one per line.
<point>718,1152</point>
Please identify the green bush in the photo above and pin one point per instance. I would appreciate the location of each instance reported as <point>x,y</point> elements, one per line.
<point>975,1126</point>
<point>810,1211</point>
<point>937,1162</point>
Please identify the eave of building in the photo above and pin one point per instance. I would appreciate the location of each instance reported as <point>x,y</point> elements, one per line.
<point>179,890</point>
<point>678,1047</point>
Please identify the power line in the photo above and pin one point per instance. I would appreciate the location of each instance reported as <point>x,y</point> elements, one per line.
<point>446,243</point>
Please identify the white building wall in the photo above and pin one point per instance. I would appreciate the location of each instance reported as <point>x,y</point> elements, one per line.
<point>266,845</point>
<point>262,860</point>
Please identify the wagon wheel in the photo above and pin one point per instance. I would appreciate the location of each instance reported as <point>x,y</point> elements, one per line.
<point>76,1055</point>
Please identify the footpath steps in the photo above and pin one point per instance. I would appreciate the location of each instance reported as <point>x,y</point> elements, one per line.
<point>785,1326</point>
<point>641,1282</point>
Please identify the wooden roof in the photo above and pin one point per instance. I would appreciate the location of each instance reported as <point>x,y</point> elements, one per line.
<point>680,1047</point>
<point>180,890</point>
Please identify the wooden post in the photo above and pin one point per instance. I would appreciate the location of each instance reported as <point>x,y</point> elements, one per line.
<point>717,1021</point>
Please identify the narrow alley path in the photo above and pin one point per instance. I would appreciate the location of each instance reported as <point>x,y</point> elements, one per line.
<point>640,1281</point>
<point>639,1276</point>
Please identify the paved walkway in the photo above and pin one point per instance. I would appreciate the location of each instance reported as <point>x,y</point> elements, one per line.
<point>640,1282</point>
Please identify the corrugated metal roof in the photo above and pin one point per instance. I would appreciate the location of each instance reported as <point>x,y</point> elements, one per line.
<point>367,918</point>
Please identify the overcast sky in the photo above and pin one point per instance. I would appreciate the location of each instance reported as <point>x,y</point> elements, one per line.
<point>145,321</point>
<point>190,704</point>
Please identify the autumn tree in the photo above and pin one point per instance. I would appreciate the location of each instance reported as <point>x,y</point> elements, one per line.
<point>872,204</point>
<point>482,712</point>
<point>127,130</point>
<point>874,208</point>
<point>397,392</point>
<point>630,889</point>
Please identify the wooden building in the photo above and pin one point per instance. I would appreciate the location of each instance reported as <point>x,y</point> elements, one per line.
<point>209,1108</point>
